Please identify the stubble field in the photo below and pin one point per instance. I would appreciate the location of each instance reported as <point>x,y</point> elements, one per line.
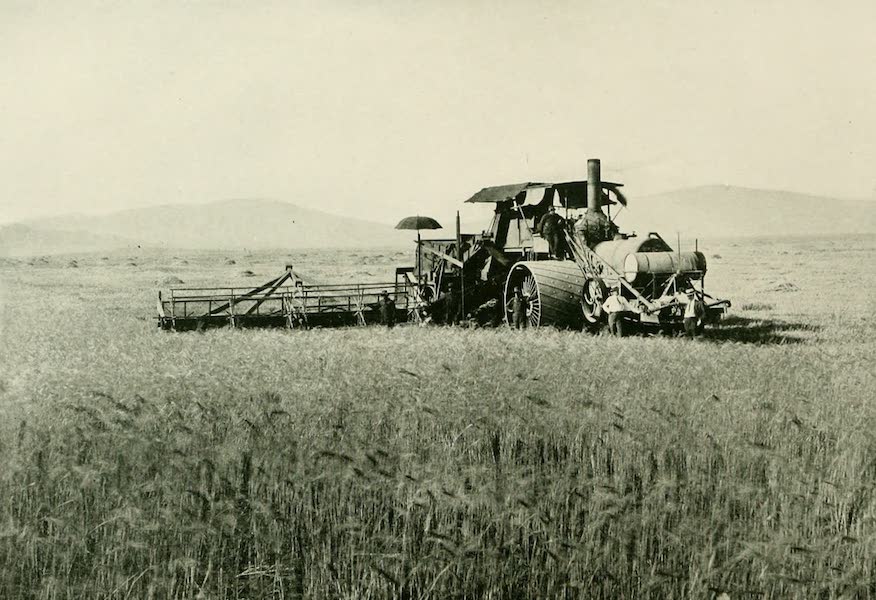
<point>436,462</point>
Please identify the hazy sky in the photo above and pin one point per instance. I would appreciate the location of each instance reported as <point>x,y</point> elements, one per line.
<point>383,109</point>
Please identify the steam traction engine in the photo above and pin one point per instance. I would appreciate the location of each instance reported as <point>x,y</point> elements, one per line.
<point>651,279</point>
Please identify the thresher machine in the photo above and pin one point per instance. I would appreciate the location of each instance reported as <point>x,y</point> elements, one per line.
<point>476,274</point>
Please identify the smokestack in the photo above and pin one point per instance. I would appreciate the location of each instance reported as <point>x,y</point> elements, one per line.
<point>594,186</point>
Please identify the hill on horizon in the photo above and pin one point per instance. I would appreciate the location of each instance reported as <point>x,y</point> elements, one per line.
<point>702,212</point>
<point>723,211</point>
<point>18,239</point>
<point>226,224</point>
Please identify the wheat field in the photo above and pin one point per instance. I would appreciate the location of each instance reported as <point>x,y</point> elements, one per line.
<point>437,462</point>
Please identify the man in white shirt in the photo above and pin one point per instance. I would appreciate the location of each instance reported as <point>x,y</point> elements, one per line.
<point>694,311</point>
<point>613,306</point>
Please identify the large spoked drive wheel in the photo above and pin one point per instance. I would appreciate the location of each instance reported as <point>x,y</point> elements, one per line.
<point>552,289</point>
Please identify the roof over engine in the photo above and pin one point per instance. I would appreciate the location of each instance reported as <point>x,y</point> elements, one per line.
<point>572,194</point>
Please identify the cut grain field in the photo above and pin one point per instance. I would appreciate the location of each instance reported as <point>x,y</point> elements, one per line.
<point>436,462</point>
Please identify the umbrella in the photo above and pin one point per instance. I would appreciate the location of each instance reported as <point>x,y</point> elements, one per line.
<point>418,223</point>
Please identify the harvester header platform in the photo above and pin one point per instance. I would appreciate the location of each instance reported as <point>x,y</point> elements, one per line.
<point>285,301</point>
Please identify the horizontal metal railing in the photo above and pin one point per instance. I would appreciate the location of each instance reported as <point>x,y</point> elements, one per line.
<point>317,298</point>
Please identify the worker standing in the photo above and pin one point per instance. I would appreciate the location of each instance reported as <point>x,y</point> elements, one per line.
<point>551,226</point>
<point>694,311</point>
<point>518,305</point>
<point>386,306</point>
<point>614,307</point>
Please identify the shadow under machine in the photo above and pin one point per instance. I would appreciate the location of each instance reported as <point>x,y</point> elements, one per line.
<point>475,275</point>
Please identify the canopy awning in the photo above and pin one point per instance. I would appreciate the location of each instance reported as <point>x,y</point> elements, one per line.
<point>503,193</point>
<point>572,194</point>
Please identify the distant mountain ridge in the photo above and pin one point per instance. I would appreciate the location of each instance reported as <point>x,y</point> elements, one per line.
<point>702,212</point>
<point>241,223</point>
<point>728,211</point>
<point>18,239</point>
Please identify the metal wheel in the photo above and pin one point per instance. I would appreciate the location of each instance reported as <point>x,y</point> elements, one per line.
<point>593,295</point>
<point>419,301</point>
<point>529,287</point>
<point>552,289</point>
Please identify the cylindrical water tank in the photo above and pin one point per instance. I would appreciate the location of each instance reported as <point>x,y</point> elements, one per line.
<point>637,264</point>
<point>615,251</point>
